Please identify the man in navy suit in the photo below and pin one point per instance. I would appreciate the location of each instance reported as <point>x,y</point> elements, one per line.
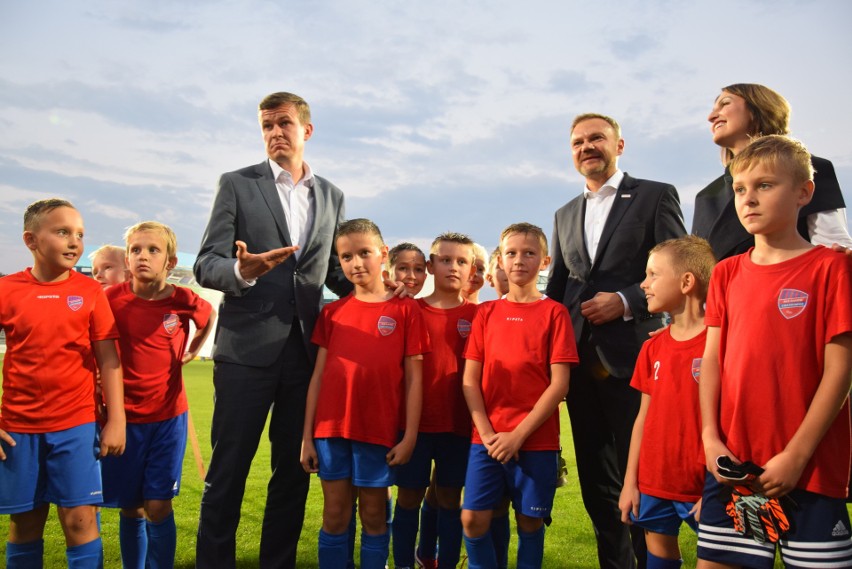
<point>269,247</point>
<point>600,246</point>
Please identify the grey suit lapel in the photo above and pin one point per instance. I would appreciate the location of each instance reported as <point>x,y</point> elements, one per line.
<point>319,207</point>
<point>624,197</point>
<point>267,188</point>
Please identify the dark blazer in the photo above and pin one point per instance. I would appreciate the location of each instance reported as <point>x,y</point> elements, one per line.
<point>643,214</point>
<point>255,322</point>
<point>716,217</point>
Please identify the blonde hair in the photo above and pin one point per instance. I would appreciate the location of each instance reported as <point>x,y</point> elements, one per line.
<point>492,261</point>
<point>588,116</point>
<point>37,210</point>
<point>157,227</point>
<point>776,151</point>
<point>479,252</point>
<point>690,254</point>
<point>108,250</point>
<point>452,237</point>
<point>526,229</point>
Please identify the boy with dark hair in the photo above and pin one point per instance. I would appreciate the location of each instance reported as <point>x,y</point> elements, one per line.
<point>775,379</point>
<point>368,374</point>
<point>516,372</point>
<point>407,264</point>
<point>664,478</point>
<point>444,432</point>
<point>59,330</point>
<point>153,319</point>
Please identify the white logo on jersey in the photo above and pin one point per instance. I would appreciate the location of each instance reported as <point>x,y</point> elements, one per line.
<point>514,319</point>
<point>48,296</point>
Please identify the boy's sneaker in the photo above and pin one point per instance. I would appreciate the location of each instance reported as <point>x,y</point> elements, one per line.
<point>424,563</point>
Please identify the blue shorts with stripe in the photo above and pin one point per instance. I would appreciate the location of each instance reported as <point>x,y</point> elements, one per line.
<point>151,466</point>
<point>819,536</point>
<point>60,468</point>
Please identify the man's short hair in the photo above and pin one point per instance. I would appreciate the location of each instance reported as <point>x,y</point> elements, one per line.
<point>395,252</point>
<point>359,225</point>
<point>609,120</point>
<point>526,229</point>
<point>108,250</point>
<point>156,227</point>
<point>776,151</point>
<point>37,210</point>
<point>275,100</point>
<point>452,237</point>
<point>690,254</point>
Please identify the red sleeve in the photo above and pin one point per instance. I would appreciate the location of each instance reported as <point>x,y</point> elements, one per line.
<point>714,310</point>
<point>474,349</point>
<point>101,322</point>
<point>201,310</point>
<point>563,347</point>
<point>642,372</point>
<point>838,313</point>
<point>322,328</point>
<point>416,335</point>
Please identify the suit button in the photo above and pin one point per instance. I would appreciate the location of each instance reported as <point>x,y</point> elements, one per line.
<point>293,301</point>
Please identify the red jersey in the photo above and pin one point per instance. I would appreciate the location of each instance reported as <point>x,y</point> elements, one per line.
<point>153,335</point>
<point>775,321</point>
<point>670,465</point>
<point>363,381</point>
<point>49,367</point>
<point>517,343</point>
<point>444,407</point>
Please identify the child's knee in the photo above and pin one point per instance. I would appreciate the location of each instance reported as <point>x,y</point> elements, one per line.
<point>410,498</point>
<point>449,498</point>
<point>476,523</point>
<point>79,524</point>
<point>527,524</point>
<point>28,526</point>
<point>157,510</point>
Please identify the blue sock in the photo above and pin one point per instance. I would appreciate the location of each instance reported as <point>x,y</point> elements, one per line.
<point>404,535</point>
<point>28,555</point>
<point>655,562</point>
<point>133,538</point>
<point>449,537</point>
<point>374,550</point>
<point>87,556</point>
<point>162,542</point>
<point>353,524</point>
<point>332,550</point>
<point>428,546</point>
<point>500,536</point>
<point>480,552</point>
<point>531,549</point>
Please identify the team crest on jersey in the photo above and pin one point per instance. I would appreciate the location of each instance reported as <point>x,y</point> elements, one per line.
<point>75,303</point>
<point>463,326</point>
<point>792,302</point>
<point>386,325</point>
<point>696,369</point>
<point>170,322</point>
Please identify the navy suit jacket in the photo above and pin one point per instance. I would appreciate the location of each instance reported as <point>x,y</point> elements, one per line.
<point>643,214</point>
<point>254,322</point>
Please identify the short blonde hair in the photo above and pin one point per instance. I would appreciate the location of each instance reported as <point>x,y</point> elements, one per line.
<point>492,261</point>
<point>776,151</point>
<point>526,229</point>
<point>588,116</point>
<point>690,254</point>
<point>157,227</point>
<point>37,210</point>
<point>359,225</point>
<point>109,250</point>
<point>452,237</point>
<point>479,252</point>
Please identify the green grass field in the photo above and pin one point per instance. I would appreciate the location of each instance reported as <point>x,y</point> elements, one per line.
<point>569,542</point>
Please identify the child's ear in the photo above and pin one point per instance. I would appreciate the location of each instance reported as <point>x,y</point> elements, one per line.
<point>429,267</point>
<point>172,263</point>
<point>688,282</point>
<point>806,193</point>
<point>30,240</point>
<point>545,262</point>
<point>386,274</point>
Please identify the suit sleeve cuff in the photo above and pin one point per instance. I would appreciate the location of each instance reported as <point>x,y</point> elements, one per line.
<point>628,314</point>
<point>246,283</point>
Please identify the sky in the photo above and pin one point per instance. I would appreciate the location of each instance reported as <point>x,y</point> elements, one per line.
<point>430,116</point>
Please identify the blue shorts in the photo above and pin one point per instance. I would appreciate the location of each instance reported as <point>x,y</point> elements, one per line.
<point>448,450</point>
<point>819,536</point>
<point>61,468</point>
<point>530,481</point>
<point>151,466</point>
<point>663,516</point>
<point>364,463</point>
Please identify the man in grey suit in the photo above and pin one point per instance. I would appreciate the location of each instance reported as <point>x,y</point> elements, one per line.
<point>600,246</point>
<point>269,247</point>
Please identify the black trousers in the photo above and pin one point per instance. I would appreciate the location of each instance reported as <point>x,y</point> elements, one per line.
<point>602,409</point>
<point>244,396</point>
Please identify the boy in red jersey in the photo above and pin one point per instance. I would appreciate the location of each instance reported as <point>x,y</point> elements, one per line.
<point>496,276</point>
<point>444,433</point>
<point>516,372</point>
<point>775,375</point>
<point>153,319</point>
<point>664,477</point>
<point>59,330</point>
<point>109,266</point>
<point>368,373</point>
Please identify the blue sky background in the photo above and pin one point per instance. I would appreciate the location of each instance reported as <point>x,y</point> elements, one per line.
<point>429,116</point>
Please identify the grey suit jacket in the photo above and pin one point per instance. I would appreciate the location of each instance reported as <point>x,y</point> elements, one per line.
<point>643,214</point>
<point>254,322</point>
